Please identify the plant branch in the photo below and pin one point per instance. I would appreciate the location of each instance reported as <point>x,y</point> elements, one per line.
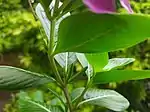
<point>81,96</point>
<point>51,46</point>
<point>84,91</point>
<point>56,95</point>
<point>52,36</point>
<point>50,52</point>
<point>56,6</point>
<point>63,6</point>
<point>77,74</point>
<point>68,99</point>
<point>33,12</point>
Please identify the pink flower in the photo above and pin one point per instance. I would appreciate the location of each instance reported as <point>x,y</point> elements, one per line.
<point>106,6</point>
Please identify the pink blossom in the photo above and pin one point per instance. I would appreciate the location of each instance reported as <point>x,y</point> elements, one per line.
<point>106,6</point>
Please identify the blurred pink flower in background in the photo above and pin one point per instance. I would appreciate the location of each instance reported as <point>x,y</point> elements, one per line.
<point>106,6</point>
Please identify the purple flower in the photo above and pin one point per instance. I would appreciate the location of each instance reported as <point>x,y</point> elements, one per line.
<point>106,6</point>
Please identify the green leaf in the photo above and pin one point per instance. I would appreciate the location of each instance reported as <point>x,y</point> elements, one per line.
<point>45,3</point>
<point>120,75</point>
<point>106,98</point>
<point>56,102</point>
<point>41,13</point>
<point>12,78</point>
<point>84,62</point>
<point>76,93</point>
<point>56,109</point>
<point>37,96</point>
<point>73,5</point>
<point>91,33</point>
<point>97,60</point>
<point>22,94</point>
<point>65,59</point>
<point>27,105</point>
<point>117,62</point>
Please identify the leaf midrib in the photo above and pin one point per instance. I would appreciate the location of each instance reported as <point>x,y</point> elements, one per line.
<point>98,97</point>
<point>85,42</point>
<point>41,106</point>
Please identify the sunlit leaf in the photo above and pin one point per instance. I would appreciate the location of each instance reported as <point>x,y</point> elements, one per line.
<point>43,19</point>
<point>117,62</point>
<point>90,33</point>
<point>106,98</point>
<point>65,58</point>
<point>76,93</point>
<point>97,60</point>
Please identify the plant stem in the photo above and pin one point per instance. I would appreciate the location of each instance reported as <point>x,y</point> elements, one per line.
<point>56,5</point>
<point>77,74</point>
<point>68,98</point>
<point>33,12</point>
<point>54,67</point>
<point>52,36</point>
<point>50,52</point>
<point>56,95</point>
<point>51,49</point>
<point>81,96</point>
<point>63,6</point>
<point>84,91</point>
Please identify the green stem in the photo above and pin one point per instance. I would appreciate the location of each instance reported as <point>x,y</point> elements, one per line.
<point>52,36</point>
<point>66,93</point>
<point>33,12</point>
<point>63,6</point>
<point>70,72</point>
<point>54,67</point>
<point>77,74</point>
<point>51,50</point>
<point>56,5</point>
<point>66,69</point>
<point>56,95</point>
<point>84,91</point>
<point>81,96</point>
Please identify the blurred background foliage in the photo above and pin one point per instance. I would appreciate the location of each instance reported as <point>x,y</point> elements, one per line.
<point>22,44</point>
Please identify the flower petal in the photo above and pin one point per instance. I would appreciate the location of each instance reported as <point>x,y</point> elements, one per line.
<point>126,5</point>
<point>101,6</point>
